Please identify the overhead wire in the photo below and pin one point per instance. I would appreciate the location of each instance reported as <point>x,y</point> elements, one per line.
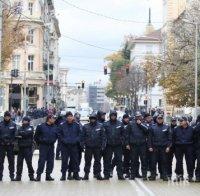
<point>103,15</point>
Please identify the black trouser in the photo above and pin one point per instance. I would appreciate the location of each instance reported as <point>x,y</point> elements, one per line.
<point>170,162</point>
<point>126,161</point>
<point>159,155</point>
<point>58,149</point>
<point>138,152</point>
<point>197,170</point>
<point>9,151</point>
<point>103,155</point>
<point>46,156</point>
<point>109,151</point>
<point>69,152</point>
<point>188,151</point>
<point>27,154</point>
<point>71,166</point>
<point>89,153</point>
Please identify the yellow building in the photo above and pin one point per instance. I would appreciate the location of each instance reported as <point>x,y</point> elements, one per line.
<point>32,58</point>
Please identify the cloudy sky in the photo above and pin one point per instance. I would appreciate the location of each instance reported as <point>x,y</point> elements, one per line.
<point>85,62</point>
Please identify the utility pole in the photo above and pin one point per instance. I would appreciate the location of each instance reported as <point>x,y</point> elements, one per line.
<point>48,70</point>
<point>24,81</point>
<point>196,69</point>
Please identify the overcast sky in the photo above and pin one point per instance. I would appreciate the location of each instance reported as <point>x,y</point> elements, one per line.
<point>85,62</point>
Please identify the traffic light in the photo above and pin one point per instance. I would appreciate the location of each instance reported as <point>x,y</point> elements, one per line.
<point>15,73</point>
<point>105,70</point>
<point>83,84</point>
<point>127,69</point>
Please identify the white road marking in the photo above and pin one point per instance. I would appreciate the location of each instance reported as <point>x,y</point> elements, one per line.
<point>139,190</point>
<point>144,187</point>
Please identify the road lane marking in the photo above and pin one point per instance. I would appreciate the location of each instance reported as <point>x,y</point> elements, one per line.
<point>144,187</point>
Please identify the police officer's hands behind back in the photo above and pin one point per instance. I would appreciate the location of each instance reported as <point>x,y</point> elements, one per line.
<point>150,149</point>
<point>128,147</point>
<point>167,150</point>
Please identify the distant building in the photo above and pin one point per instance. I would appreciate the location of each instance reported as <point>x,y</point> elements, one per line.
<point>63,84</point>
<point>149,44</point>
<point>39,52</point>
<point>96,97</point>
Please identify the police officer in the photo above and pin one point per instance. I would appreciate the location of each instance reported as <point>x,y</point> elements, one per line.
<point>7,136</point>
<point>25,143</point>
<point>137,144</point>
<point>183,138</point>
<point>172,150</point>
<point>69,134</point>
<point>101,116</point>
<point>126,152</point>
<point>115,139</point>
<point>148,121</point>
<point>59,120</point>
<point>159,144</point>
<point>45,136</point>
<point>77,119</point>
<point>93,141</point>
<point>197,148</point>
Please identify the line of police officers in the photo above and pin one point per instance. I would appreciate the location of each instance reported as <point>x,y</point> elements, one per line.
<point>120,144</point>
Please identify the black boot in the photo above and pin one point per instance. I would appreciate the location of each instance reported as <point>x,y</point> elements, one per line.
<point>12,178</point>
<point>121,177</point>
<point>132,177</point>
<point>18,178</point>
<point>63,178</point>
<point>76,176</point>
<point>152,178</point>
<point>127,175</point>
<point>69,176</point>
<point>86,176</point>
<point>106,177</point>
<point>190,179</point>
<point>144,178</point>
<point>38,178</point>
<point>99,177</point>
<point>165,178</point>
<point>31,177</point>
<point>49,178</point>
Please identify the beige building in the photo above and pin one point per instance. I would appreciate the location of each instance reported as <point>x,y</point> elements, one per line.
<point>172,9</point>
<point>63,84</point>
<point>32,59</point>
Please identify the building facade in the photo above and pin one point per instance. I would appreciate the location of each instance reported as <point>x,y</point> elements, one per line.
<point>28,89</point>
<point>96,97</point>
<point>63,84</point>
<point>142,47</point>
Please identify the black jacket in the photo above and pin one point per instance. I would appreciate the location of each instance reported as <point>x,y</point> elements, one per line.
<point>25,134</point>
<point>160,135</point>
<point>115,134</point>
<point>182,136</point>
<point>7,133</point>
<point>93,135</point>
<point>136,134</point>
<point>69,133</point>
<point>46,134</point>
<point>197,135</point>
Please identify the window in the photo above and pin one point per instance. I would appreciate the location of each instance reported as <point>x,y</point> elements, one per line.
<point>30,36</point>
<point>30,8</point>
<point>30,62</point>
<point>16,61</point>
